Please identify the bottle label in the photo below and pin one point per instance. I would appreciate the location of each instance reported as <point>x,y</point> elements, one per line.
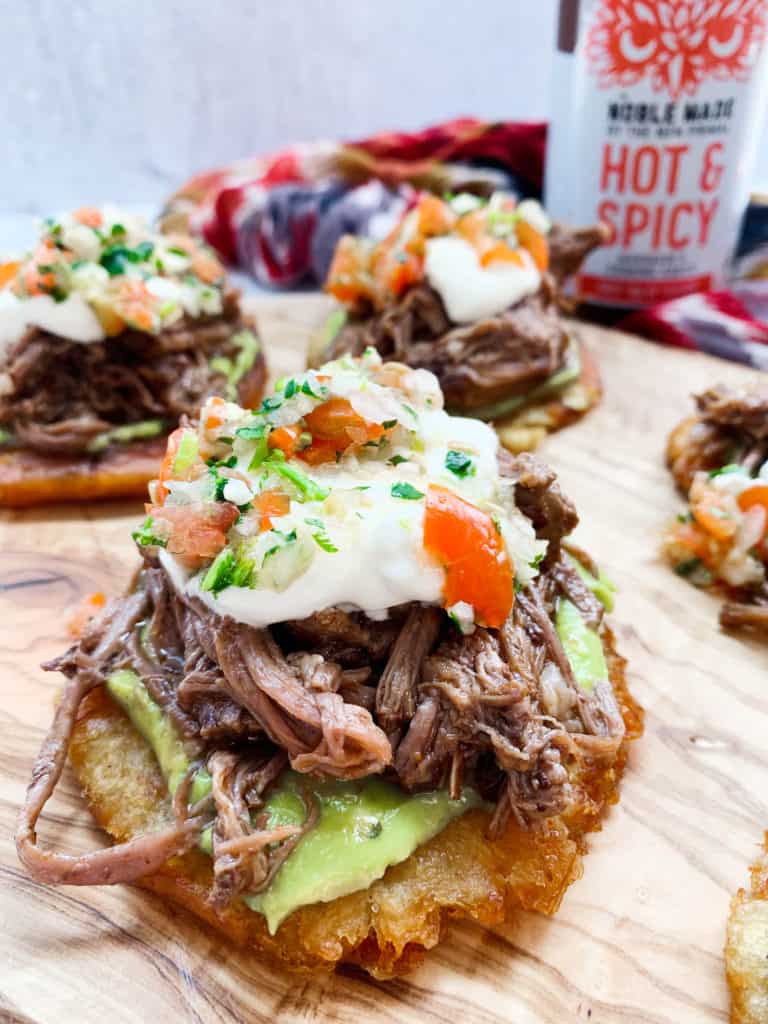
<point>669,108</point>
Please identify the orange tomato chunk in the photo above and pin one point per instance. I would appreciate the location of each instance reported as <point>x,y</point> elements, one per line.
<point>712,509</point>
<point>757,495</point>
<point>285,438</point>
<point>197,530</point>
<point>268,504</point>
<point>534,242</point>
<point>335,426</point>
<point>477,568</point>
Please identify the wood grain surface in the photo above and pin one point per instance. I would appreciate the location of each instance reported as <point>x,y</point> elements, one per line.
<point>638,939</point>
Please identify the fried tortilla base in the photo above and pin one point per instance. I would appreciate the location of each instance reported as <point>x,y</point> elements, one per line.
<point>526,429</point>
<point>746,948</point>
<point>123,471</point>
<point>29,478</point>
<point>386,928</point>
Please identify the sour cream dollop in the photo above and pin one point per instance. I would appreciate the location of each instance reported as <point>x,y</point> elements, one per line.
<point>470,291</point>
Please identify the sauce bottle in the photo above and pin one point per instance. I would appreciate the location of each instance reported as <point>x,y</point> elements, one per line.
<point>657,112</point>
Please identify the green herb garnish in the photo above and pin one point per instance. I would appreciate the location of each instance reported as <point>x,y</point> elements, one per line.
<point>405,491</point>
<point>145,538</point>
<point>460,464</point>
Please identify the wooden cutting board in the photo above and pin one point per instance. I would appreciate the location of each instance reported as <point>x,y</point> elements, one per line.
<point>639,938</point>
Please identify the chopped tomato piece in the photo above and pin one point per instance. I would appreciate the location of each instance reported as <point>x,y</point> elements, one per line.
<point>690,540</point>
<point>320,452</point>
<point>534,242</point>
<point>713,509</point>
<point>757,495</point>
<point>285,438</point>
<point>8,271</point>
<point>472,551</point>
<point>214,417</point>
<point>335,426</point>
<point>207,267</point>
<point>89,215</point>
<point>197,530</point>
<point>90,605</point>
<point>435,216</point>
<point>473,228</point>
<point>394,270</point>
<point>268,504</point>
<point>349,277</point>
<point>501,253</point>
<point>134,303</point>
<point>166,467</point>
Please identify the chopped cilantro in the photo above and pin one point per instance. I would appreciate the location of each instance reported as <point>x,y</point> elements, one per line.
<point>270,403</point>
<point>732,467</point>
<point>145,538</point>
<point>220,482</point>
<point>251,433</point>
<point>290,388</point>
<point>116,258</point>
<point>405,491</point>
<point>306,389</point>
<point>536,560</point>
<point>388,424</point>
<point>460,464</point>
<point>117,229</point>
<point>320,537</point>
<point>397,459</point>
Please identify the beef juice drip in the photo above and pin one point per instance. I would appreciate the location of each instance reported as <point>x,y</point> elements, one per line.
<point>657,111</point>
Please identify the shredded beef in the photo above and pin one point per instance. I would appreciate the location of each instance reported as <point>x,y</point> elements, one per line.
<point>742,411</point>
<point>477,364</point>
<point>61,394</point>
<point>415,702</point>
<point>730,426</point>
<point>539,496</point>
<point>569,247</point>
<point>486,362</point>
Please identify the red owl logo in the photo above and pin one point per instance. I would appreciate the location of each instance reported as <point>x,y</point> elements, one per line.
<point>677,44</point>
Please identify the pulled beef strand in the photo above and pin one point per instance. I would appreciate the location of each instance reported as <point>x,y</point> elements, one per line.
<point>396,690</point>
<point>737,615</point>
<point>246,856</point>
<point>539,496</point>
<point>319,730</point>
<point>126,861</point>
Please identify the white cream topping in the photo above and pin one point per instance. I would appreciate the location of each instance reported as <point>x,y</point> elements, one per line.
<point>73,318</point>
<point>469,290</point>
<point>361,546</point>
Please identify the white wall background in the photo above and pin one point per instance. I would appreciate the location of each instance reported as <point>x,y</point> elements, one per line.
<point>125,99</point>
